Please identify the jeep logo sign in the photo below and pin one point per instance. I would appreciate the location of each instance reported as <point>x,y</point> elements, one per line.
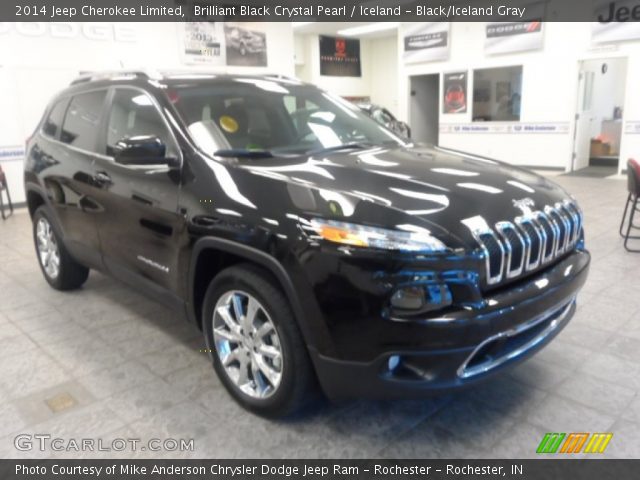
<point>92,31</point>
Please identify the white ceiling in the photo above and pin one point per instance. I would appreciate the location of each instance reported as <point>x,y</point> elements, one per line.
<point>331,28</point>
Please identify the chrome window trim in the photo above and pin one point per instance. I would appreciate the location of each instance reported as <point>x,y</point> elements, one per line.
<point>102,156</point>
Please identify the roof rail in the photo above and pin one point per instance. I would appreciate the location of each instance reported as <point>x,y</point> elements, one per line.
<point>107,75</point>
<point>282,77</point>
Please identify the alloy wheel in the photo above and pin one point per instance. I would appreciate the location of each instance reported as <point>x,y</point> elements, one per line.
<point>48,251</point>
<point>247,344</point>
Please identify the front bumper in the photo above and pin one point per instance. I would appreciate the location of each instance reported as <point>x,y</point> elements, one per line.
<point>512,325</point>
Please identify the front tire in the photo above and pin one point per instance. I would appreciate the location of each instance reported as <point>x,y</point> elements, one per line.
<point>60,270</point>
<point>255,344</point>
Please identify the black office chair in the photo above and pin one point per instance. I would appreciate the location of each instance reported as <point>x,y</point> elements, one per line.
<point>633,185</point>
<point>4,187</point>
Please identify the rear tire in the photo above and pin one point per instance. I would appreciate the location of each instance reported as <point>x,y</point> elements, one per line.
<point>60,270</point>
<point>236,344</point>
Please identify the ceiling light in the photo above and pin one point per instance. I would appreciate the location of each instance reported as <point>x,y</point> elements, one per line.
<point>372,27</point>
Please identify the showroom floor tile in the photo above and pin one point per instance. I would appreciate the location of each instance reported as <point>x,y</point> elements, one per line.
<point>106,362</point>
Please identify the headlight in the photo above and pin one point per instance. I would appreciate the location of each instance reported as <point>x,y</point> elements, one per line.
<point>416,240</point>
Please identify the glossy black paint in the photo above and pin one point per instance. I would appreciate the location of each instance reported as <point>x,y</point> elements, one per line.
<point>168,228</point>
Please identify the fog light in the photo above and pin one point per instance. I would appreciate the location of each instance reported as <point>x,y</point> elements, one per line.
<point>408,298</point>
<point>417,299</point>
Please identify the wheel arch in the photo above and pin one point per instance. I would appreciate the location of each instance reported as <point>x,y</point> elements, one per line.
<point>35,199</point>
<point>226,253</point>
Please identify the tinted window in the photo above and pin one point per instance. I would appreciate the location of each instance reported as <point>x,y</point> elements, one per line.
<point>81,122</point>
<point>497,94</point>
<point>133,114</point>
<point>53,122</point>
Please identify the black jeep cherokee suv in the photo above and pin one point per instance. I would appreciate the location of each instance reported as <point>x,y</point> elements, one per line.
<point>309,243</point>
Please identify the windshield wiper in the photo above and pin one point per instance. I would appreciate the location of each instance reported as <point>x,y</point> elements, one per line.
<point>243,153</point>
<point>344,146</point>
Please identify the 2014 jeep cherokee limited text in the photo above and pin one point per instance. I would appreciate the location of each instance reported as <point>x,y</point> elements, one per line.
<point>311,245</point>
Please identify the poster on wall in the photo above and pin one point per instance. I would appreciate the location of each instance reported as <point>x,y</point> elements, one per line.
<point>245,47</point>
<point>426,42</point>
<point>339,57</point>
<point>455,92</point>
<point>510,37</point>
<point>203,43</point>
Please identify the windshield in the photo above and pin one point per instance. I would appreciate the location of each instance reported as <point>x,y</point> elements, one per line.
<point>274,116</point>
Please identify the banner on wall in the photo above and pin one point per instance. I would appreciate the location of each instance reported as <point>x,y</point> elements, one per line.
<point>245,48</point>
<point>454,92</point>
<point>614,32</point>
<point>13,152</point>
<point>203,43</point>
<point>506,128</point>
<point>339,57</point>
<point>513,37</point>
<point>426,42</point>
<point>615,21</point>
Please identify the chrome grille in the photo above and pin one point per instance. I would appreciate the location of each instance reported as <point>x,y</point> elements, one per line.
<point>515,247</point>
<point>534,239</point>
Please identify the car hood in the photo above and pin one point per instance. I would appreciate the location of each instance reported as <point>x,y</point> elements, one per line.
<point>428,186</point>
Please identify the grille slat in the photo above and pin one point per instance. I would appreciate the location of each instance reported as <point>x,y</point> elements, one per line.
<point>550,236</point>
<point>533,239</point>
<point>515,247</point>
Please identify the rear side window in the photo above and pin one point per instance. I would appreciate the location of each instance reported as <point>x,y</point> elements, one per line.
<point>133,114</point>
<point>80,127</point>
<point>53,123</point>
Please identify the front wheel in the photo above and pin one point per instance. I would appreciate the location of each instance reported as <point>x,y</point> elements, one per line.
<point>256,347</point>
<point>60,270</point>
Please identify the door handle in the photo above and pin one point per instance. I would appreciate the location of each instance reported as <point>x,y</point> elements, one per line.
<point>102,178</point>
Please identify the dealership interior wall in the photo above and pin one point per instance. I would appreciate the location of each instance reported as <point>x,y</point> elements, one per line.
<point>549,79</point>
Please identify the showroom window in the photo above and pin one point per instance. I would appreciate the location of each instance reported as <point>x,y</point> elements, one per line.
<point>133,114</point>
<point>497,94</point>
<point>53,122</point>
<point>81,122</point>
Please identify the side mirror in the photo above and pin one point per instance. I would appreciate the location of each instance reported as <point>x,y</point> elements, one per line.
<point>143,150</point>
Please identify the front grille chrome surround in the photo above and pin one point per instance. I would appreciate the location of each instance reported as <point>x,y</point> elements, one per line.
<point>534,239</point>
